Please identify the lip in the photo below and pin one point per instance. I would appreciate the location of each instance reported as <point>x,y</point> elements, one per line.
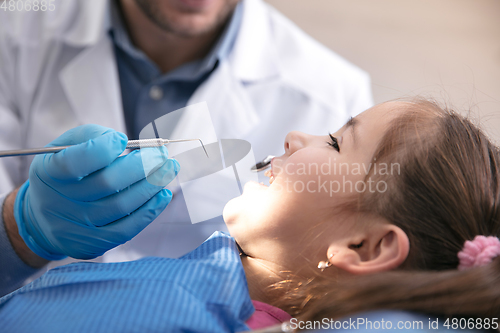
<point>272,175</point>
<point>272,167</point>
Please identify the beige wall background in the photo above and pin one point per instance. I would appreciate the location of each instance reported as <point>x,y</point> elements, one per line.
<point>444,49</point>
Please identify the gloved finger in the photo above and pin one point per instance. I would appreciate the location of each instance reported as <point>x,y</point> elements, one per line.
<point>121,173</point>
<point>80,134</point>
<point>129,226</point>
<point>120,204</point>
<point>76,162</point>
<point>118,232</point>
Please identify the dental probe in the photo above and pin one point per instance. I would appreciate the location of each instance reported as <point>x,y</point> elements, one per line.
<point>131,144</point>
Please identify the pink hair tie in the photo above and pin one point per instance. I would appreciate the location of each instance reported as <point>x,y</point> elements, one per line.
<point>481,251</point>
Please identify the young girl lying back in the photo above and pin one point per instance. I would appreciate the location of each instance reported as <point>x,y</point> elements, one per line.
<point>399,209</point>
<point>419,231</point>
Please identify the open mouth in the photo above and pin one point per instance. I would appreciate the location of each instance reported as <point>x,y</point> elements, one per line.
<point>269,173</point>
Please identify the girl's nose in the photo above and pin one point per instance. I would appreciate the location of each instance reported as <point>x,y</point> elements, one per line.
<point>294,141</point>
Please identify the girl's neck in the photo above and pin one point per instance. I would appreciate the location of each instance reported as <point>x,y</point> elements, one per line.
<point>260,276</point>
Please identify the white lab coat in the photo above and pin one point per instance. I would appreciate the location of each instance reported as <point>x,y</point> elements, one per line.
<point>58,71</point>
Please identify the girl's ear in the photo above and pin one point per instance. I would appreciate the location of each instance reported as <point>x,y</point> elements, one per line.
<point>381,248</point>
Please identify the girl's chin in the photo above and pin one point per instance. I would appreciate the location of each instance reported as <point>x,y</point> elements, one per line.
<point>247,207</point>
<point>237,205</point>
<point>230,211</point>
<point>251,186</point>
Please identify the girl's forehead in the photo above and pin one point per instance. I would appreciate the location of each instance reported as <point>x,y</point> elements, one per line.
<point>373,122</point>
<point>389,109</point>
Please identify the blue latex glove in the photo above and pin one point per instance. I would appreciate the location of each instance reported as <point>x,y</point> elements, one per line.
<point>85,200</point>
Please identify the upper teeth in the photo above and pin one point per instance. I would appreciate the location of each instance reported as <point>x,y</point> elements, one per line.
<point>269,174</point>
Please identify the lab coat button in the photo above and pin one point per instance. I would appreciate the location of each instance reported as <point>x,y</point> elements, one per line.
<point>156,93</point>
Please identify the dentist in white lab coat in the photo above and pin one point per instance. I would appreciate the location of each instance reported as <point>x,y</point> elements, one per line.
<point>59,70</point>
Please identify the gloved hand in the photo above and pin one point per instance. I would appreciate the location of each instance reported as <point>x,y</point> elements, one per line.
<point>85,200</point>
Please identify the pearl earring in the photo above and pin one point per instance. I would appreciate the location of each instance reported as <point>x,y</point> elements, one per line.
<point>325,264</point>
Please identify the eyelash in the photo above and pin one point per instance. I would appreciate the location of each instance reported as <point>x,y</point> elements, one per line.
<point>334,143</point>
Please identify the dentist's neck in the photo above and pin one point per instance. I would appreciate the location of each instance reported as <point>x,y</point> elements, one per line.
<point>164,48</point>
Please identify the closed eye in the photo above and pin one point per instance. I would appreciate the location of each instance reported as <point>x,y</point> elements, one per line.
<point>334,142</point>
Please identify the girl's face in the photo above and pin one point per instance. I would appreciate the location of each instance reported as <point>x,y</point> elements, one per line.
<point>293,221</point>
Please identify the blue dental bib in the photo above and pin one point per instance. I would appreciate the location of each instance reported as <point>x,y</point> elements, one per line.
<point>203,291</point>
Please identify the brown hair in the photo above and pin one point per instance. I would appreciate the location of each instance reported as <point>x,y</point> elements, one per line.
<point>448,192</point>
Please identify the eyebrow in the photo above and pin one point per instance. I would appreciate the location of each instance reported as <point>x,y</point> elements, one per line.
<point>351,123</point>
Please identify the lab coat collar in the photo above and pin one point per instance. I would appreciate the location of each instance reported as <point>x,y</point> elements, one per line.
<point>90,82</point>
<point>254,56</point>
<point>92,21</point>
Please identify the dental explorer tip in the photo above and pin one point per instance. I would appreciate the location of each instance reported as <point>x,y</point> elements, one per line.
<point>167,141</point>
<point>203,146</point>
